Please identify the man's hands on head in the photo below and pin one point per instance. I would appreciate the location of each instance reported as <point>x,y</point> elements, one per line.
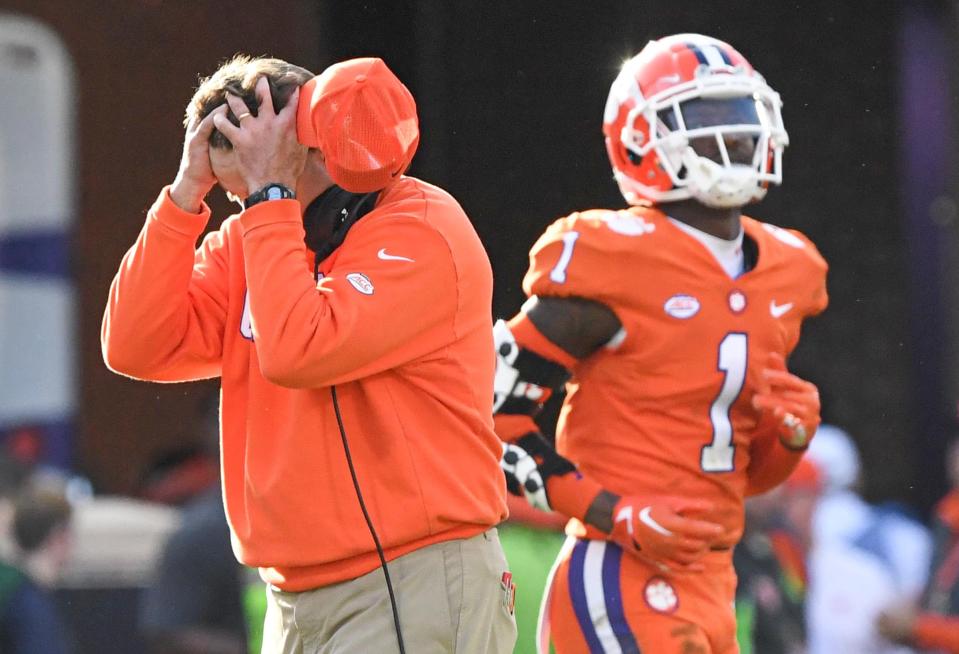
<point>195,177</point>
<point>663,531</point>
<point>265,145</point>
<point>793,402</point>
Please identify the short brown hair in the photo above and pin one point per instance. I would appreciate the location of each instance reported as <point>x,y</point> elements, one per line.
<point>38,512</point>
<point>239,76</point>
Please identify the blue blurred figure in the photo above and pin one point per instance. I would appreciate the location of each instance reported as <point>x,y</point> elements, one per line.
<point>29,620</point>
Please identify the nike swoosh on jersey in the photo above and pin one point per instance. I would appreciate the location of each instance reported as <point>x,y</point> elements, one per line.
<point>391,257</point>
<point>647,520</point>
<point>779,310</point>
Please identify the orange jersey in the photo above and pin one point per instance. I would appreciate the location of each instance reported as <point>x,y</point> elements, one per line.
<point>400,323</point>
<point>666,406</point>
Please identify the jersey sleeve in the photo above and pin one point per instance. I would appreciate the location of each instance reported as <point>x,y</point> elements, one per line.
<point>770,462</point>
<point>816,270</point>
<point>799,267</point>
<point>806,266</point>
<point>571,259</point>
<point>165,317</point>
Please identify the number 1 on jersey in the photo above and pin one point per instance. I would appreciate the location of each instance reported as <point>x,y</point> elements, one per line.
<point>558,273</point>
<point>718,455</point>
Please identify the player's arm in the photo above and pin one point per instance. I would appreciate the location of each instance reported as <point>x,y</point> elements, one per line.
<point>535,352</point>
<point>790,417</point>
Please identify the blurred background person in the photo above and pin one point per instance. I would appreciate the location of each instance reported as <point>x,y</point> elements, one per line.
<point>195,603</point>
<point>13,476</point>
<point>177,476</point>
<point>861,558</point>
<point>933,624</point>
<point>888,531</point>
<point>29,618</point>
<point>771,568</point>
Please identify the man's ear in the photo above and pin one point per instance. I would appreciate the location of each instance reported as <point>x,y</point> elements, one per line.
<point>316,164</point>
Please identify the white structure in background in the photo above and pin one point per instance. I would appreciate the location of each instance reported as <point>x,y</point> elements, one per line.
<point>37,168</point>
<point>864,558</point>
<point>117,542</point>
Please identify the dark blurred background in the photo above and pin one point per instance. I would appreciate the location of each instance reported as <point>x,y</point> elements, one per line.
<point>511,98</point>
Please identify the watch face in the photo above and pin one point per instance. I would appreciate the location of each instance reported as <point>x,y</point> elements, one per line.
<point>270,192</point>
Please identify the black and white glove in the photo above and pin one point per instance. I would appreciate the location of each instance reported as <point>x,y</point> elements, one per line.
<point>523,477</point>
<point>529,463</point>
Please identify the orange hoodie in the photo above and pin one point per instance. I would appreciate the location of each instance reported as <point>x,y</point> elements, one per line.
<point>400,323</point>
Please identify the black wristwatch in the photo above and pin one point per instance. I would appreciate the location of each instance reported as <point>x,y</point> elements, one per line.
<point>271,191</point>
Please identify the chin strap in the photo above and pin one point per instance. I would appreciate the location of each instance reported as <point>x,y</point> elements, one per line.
<point>719,186</point>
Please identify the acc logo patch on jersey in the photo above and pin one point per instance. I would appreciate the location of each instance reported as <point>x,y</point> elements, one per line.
<point>682,306</point>
<point>660,595</point>
<point>361,283</point>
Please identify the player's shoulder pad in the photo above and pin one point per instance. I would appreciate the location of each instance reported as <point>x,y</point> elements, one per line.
<point>797,255</point>
<point>789,244</point>
<point>572,257</point>
<point>609,229</point>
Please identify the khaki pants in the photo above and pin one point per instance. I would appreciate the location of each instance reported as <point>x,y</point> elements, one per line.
<point>450,597</point>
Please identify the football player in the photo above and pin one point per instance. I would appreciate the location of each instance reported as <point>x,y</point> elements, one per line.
<point>669,323</point>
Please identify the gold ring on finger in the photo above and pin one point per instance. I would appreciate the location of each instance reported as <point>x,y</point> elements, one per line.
<point>242,116</point>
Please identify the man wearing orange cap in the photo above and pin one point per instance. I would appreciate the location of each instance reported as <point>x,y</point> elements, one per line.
<point>347,311</point>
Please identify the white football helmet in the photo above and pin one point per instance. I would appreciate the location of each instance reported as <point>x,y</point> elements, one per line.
<point>688,117</point>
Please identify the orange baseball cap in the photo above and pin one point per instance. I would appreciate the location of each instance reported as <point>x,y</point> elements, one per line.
<point>363,120</point>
